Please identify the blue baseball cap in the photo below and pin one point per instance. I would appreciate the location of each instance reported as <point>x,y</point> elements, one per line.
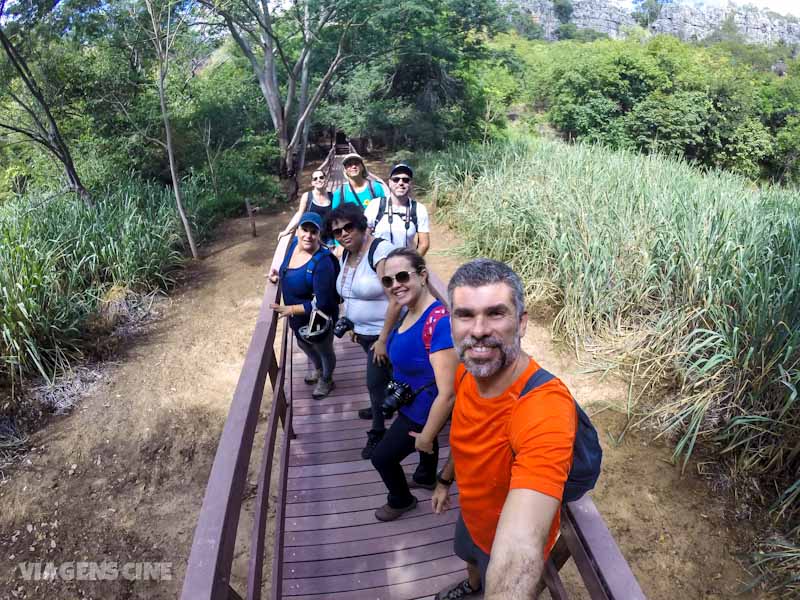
<point>313,218</point>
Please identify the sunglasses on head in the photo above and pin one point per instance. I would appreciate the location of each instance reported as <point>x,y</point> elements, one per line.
<point>347,228</point>
<point>401,277</point>
<point>401,179</point>
<point>318,178</point>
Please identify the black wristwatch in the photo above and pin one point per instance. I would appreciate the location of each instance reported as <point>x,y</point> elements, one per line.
<point>442,480</point>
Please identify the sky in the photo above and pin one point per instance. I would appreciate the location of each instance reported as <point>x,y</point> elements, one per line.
<point>784,7</point>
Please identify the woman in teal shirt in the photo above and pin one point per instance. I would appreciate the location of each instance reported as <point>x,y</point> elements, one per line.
<point>357,188</point>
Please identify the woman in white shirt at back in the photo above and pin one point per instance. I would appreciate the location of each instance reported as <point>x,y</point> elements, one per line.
<point>367,311</point>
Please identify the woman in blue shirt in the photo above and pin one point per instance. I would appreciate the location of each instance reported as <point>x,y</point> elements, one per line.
<point>421,351</point>
<point>357,188</point>
<point>308,282</point>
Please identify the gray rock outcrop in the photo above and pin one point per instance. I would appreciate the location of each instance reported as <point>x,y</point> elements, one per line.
<point>689,23</point>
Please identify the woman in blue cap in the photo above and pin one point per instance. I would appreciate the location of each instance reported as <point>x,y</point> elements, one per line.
<point>310,301</point>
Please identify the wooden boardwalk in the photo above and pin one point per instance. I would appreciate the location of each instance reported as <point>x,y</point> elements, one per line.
<point>333,547</point>
<point>327,542</point>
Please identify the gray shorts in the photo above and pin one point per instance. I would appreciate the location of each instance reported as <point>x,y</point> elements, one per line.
<point>469,551</point>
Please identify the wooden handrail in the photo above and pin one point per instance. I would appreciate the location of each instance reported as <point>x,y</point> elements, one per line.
<point>209,567</point>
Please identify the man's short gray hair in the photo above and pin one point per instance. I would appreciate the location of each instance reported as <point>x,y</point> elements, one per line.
<point>486,271</point>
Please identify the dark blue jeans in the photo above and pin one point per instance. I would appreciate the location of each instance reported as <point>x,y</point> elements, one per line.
<point>390,452</point>
<point>320,353</point>
<point>377,378</point>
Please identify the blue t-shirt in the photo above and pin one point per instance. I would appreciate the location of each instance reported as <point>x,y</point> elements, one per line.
<point>296,289</point>
<point>362,198</point>
<point>411,364</point>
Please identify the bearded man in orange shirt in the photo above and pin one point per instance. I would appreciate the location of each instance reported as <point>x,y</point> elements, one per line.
<point>511,439</point>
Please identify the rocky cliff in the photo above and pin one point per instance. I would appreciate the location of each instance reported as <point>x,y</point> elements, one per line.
<point>686,22</point>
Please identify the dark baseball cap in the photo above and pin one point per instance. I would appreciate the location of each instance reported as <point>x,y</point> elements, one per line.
<point>402,168</point>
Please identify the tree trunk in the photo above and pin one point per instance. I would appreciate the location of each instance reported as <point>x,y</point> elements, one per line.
<point>173,169</point>
<point>304,76</point>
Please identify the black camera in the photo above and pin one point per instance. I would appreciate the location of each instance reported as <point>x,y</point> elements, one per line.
<point>397,394</point>
<point>343,325</point>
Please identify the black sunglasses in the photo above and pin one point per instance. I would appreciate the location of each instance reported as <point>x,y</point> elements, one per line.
<point>318,178</point>
<point>401,179</point>
<point>401,277</point>
<point>347,228</point>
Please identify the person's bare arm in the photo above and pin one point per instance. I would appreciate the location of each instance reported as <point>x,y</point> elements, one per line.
<point>423,243</point>
<point>517,560</point>
<point>296,218</point>
<point>440,500</point>
<point>390,319</point>
<point>444,363</point>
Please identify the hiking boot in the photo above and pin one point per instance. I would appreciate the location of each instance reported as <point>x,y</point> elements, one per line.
<point>414,484</point>
<point>373,439</point>
<point>458,591</point>
<point>323,388</point>
<point>365,413</point>
<point>387,513</point>
<point>312,377</point>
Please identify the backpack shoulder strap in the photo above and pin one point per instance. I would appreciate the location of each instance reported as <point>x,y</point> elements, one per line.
<point>371,254</point>
<point>355,195</point>
<point>371,189</point>
<point>312,264</point>
<point>413,205</point>
<point>287,257</point>
<point>539,378</point>
<point>430,325</point>
<point>381,210</point>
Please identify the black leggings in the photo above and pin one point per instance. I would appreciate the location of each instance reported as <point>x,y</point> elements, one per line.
<point>377,378</point>
<point>391,450</point>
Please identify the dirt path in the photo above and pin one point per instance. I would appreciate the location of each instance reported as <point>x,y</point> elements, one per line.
<point>122,478</point>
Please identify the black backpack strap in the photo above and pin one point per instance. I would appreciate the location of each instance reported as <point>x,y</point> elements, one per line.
<point>371,254</point>
<point>381,210</point>
<point>353,190</point>
<point>413,204</point>
<point>540,377</point>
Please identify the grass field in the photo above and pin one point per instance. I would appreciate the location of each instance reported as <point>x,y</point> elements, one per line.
<point>688,281</point>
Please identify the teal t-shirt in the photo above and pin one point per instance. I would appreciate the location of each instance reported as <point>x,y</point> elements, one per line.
<point>373,190</point>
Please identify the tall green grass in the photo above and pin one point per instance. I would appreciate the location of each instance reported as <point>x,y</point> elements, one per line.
<point>683,277</point>
<point>58,258</point>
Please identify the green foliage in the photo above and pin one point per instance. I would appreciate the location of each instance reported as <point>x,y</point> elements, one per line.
<point>567,31</point>
<point>690,278</point>
<point>563,10</point>
<point>647,11</point>
<point>709,105</point>
<point>524,24</point>
<point>58,258</point>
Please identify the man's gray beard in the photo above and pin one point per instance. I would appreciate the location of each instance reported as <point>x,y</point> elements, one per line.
<point>509,353</point>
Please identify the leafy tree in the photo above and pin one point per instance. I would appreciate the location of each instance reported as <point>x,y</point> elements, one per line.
<point>567,31</point>
<point>28,108</point>
<point>563,10</point>
<point>645,12</point>
<point>524,24</point>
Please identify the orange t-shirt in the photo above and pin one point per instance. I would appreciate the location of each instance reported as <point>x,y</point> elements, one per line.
<point>540,427</point>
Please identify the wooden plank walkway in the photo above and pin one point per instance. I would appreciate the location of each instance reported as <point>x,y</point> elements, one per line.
<point>333,547</point>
